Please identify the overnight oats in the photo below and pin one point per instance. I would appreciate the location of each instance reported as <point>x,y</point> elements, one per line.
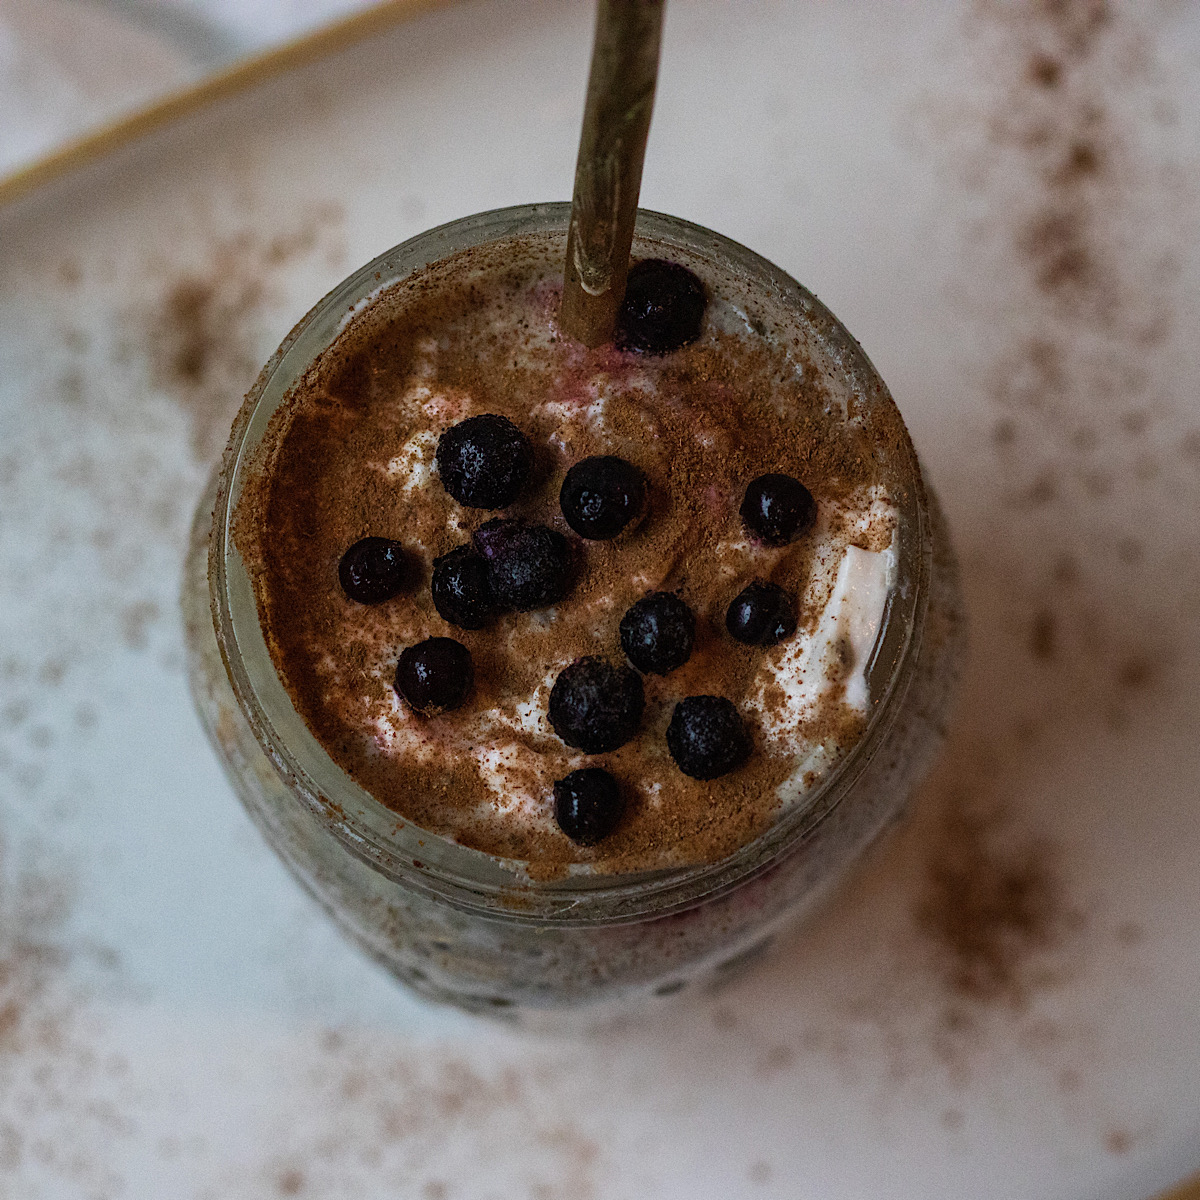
<point>566,677</point>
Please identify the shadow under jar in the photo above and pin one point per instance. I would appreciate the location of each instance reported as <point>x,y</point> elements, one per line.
<point>460,918</point>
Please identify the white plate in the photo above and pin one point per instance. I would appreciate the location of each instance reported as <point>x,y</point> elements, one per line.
<point>70,68</point>
<point>177,1019</point>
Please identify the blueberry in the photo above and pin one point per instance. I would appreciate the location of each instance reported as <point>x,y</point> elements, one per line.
<point>529,566</point>
<point>484,461</point>
<point>462,591</point>
<point>595,706</point>
<point>778,508</point>
<point>588,805</point>
<point>706,737</point>
<point>761,615</point>
<point>657,633</point>
<point>601,495</point>
<point>435,675</point>
<point>663,307</point>
<point>372,570</point>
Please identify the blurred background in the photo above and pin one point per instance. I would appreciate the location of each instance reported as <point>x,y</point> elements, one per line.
<point>70,67</point>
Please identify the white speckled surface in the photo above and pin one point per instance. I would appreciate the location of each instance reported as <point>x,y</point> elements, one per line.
<point>176,1019</point>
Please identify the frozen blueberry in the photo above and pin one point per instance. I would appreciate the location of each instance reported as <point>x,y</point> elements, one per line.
<point>663,307</point>
<point>706,737</point>
<point>372,570</point>
<point>435,675</point>
<point>657,633</point>
<point>484,461</point>
<point>462,591</point>
<point>601,495</point>
<point>778,508</point>
<point>761,615</point>
<point>529,566</point>
<point>588,805</point>
<point>595,706</point>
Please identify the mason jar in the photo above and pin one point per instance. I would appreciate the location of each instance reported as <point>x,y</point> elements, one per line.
<point>473,930</point>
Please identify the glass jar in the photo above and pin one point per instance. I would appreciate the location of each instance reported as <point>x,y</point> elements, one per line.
<point>473,930</point>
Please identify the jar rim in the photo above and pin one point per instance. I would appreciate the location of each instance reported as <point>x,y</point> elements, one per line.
<point>432,863</point>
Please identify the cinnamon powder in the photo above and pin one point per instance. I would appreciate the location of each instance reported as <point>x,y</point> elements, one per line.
<point>707,420</point>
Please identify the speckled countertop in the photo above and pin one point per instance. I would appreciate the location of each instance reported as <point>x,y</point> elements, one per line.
<point>1001,201</point>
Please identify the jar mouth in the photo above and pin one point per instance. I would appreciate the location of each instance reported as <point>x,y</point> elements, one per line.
<point>431,863</point>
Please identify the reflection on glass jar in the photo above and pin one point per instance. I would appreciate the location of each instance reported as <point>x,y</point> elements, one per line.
<point>491,933</point>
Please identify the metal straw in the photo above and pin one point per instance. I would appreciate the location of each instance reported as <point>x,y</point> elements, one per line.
<point>608,172</point>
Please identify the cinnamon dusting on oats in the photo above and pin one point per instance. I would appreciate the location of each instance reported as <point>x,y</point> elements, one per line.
<point>351,455</point>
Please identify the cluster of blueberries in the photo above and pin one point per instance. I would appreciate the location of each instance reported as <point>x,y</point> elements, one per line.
<point>510,565</point>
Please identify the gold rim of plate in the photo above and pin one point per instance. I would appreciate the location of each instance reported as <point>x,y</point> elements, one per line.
<point>1188,1189</point>
<point>242,75</point>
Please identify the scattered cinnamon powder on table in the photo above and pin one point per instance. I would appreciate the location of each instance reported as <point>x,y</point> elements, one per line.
<point>1068,263</point>
<point>59,1111</point>
<point>203,333</point>
<point>993,903</point>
